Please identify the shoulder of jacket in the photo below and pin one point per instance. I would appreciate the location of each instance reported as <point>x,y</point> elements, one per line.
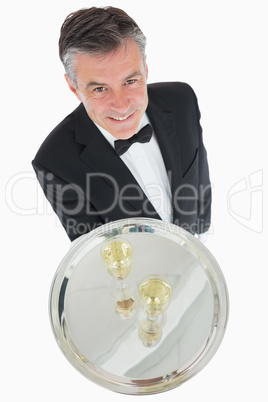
<point>170,87</point>
<point>171,91</point>
<point>172,94</point>
<point>60,138</point>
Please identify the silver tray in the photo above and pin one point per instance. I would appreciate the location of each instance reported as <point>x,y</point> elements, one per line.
<point>106,348</point>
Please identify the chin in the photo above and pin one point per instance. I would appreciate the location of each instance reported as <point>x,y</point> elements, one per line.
<point>124,135</point>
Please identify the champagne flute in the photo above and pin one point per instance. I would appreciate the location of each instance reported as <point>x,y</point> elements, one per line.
<point>154,296</point>
<point>117,255</point>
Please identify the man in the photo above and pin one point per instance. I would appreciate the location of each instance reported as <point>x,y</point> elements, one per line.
<point>89,175</point>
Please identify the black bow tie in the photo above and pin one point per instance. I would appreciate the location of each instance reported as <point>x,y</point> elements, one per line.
<point>144,135</point>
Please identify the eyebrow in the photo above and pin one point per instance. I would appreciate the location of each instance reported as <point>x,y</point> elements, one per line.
<point>95,84</point>
<point>101,84</point>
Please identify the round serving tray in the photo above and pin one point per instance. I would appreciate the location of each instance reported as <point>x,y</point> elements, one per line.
<point>106,347</point>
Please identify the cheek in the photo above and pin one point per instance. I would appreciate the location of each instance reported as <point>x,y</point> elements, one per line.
<point>144,100</point>
<point>140,96</point>
<point>95,107</point>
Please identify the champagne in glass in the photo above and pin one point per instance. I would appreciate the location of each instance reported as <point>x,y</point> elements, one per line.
<point>155,293</point>
<point>117,256</point>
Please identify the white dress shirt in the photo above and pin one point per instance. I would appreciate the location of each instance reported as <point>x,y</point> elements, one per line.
<point>146,164</point>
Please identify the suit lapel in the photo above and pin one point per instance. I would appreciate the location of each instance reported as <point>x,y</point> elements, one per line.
<point>165,130</point>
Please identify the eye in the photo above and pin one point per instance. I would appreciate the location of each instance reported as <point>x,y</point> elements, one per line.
<point>99,89</point>
<point>129,82</point>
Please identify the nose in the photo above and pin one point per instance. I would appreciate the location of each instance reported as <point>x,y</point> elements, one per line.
<point>119,102</point>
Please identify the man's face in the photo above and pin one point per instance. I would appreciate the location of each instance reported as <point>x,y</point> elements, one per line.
<point>113,89</point>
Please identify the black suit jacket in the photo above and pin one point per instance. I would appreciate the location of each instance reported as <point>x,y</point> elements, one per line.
<point>88,185</point>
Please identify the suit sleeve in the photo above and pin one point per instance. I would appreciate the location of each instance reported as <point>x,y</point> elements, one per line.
<point>204,187</point>
<point>68,202</point>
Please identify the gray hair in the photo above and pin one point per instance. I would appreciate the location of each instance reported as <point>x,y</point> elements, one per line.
<point>97,31</point>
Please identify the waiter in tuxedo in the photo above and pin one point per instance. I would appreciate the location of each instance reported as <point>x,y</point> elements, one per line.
<point>129,149</point>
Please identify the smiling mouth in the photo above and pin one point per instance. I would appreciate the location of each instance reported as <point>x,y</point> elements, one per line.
<point>121,118</point>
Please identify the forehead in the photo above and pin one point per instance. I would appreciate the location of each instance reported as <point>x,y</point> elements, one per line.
<point>117,64</point>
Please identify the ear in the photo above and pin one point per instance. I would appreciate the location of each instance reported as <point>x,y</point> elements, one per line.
<point>72,87</point>
<point>146,67</point>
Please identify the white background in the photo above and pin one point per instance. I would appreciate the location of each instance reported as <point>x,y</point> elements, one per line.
<point>220,49</point>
